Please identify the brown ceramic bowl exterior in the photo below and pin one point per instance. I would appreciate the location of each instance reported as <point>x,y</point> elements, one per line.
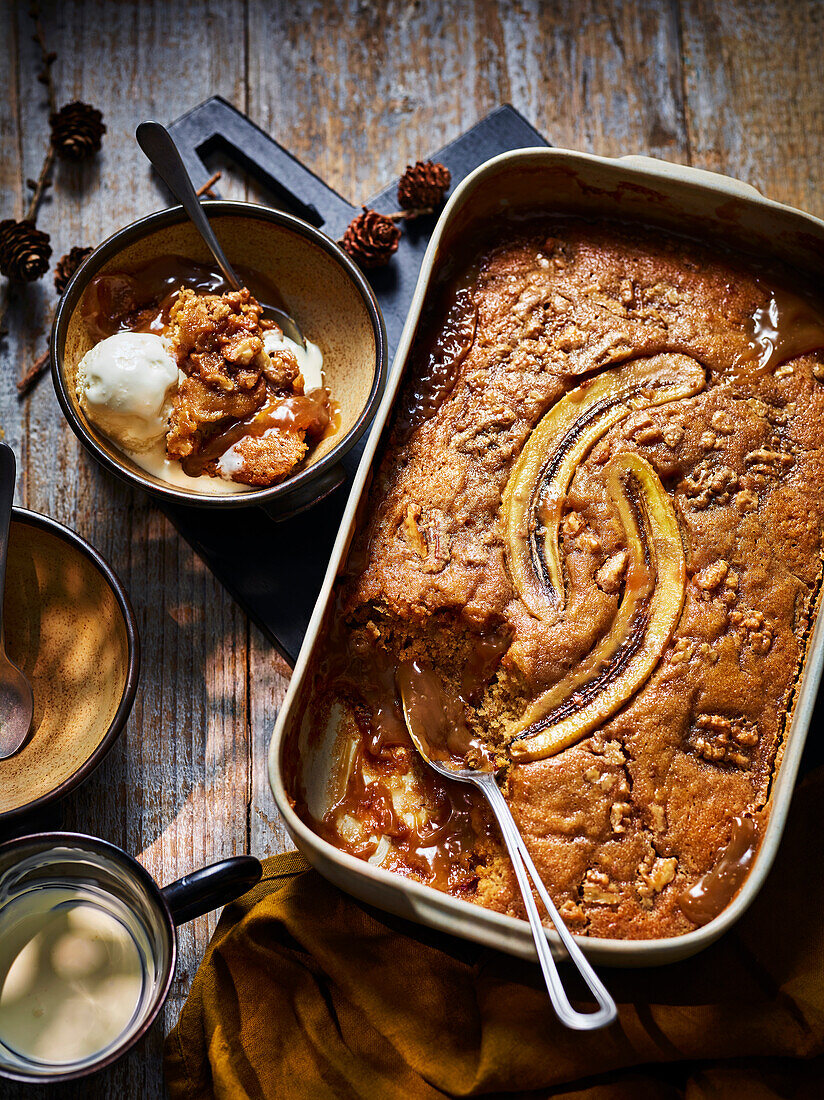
<point>71,629</point>
<point>321,287</point>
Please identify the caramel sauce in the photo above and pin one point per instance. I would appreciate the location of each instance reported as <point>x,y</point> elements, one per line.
<point>140,300</point>
<point>356,670</point>
<point>443,851</point>
<point>786,327</point>
<point>308,413</point>
<point>483,661</point>
<point>713,892</point>
<point>439,851</point>
<point>438,718</point>
<point>442,359</point>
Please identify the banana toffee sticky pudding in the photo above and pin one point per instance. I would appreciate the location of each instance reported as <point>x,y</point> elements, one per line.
<point>195,383</point>
<point>591,557</point>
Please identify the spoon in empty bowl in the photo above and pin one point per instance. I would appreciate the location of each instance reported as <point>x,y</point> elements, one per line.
<point>16,702</point>
<point>158,145</point>
<point>420,710</point>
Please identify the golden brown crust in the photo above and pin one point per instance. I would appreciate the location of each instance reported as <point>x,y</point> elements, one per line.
<point>622,822</point>
<point>268,458</point>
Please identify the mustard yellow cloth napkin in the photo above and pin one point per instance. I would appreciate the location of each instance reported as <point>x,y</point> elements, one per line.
<point>306,993</point>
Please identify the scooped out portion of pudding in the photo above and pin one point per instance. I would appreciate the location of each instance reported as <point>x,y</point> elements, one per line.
<point>199,388</point>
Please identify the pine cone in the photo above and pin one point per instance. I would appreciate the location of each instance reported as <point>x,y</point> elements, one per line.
<point>24,250</point>
<point>371,239</point>
<point>423,185</point>
<point>67,265</point>
<point>76,131</point>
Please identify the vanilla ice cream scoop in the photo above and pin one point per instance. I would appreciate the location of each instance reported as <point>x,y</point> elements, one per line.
<point>126,385</point>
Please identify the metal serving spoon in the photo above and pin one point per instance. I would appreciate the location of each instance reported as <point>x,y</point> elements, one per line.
<point>158,145</point>
<point>522,862</point>
<point>16,702</point>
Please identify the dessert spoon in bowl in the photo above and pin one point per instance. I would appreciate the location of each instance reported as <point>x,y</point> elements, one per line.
<point>525,870</point>
<point>158,145</point>
<point>16,701</point>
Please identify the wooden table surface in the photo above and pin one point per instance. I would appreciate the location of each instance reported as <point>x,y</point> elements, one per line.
<point>356,90</point>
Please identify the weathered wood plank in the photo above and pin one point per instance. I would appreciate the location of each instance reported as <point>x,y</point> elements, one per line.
<point>268,680</point>
<point>361,89</point>
<point>754,77</point>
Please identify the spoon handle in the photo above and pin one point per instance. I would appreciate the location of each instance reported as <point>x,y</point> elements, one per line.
<point>525,870</point>
<point>158,145</point>
<point>8,473</point>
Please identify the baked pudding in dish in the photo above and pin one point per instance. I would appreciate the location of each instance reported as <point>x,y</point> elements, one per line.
<point>193,381</point>
<point>592,546</point>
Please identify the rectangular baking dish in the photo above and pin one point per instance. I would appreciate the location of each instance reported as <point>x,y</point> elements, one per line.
<point>690,201</point>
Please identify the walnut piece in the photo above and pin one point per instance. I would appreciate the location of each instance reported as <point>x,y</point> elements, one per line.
<point>414,535</point>
<point>746,501</point>
<point>753,629</point>
<point>598,890</point>
<point>682,651</point>
<point>611,574</point>
<point>573,524</point>
<point>654,873</point>
<point>711,577</point>
<point>673,433</point>
<point>722,422</point>
<point>619,816</point>
<point>719,739</point>
<point>709,486</point>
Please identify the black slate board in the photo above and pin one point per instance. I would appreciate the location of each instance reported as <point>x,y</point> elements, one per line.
<point>275,569</point>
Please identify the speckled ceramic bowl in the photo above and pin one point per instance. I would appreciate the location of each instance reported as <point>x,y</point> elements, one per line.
<point>69,626</point>
<point>321,288</point>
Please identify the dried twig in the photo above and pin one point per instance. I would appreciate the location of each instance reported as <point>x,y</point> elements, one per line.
<point>39,186</point>
<point>48,59</point>
<point>37,368</point>
<point>43,181</point>
<point>407,215</point>
<point>206,189</point>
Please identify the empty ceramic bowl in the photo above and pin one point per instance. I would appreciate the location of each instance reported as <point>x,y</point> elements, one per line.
<point>69,626</point>
<point>320,287</point>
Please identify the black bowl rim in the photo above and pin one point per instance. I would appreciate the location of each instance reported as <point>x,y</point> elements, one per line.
<point>96,843</point>
<point>124,709</point>
<point>161,219</point>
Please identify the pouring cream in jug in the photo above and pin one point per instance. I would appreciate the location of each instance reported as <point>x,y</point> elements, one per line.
<point>71,974</point>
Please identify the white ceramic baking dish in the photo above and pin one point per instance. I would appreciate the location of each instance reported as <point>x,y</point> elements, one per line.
<point>690,201</point>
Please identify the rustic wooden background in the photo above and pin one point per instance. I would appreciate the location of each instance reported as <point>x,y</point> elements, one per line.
<point>355,89</point>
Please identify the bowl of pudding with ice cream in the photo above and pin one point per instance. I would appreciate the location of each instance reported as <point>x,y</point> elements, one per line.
<point>187,388</point>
